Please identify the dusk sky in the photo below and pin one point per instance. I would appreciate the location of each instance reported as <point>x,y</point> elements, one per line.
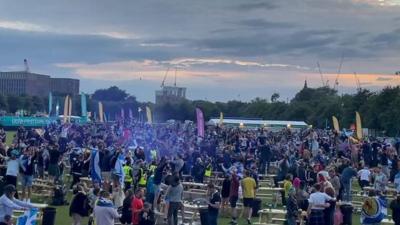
<point>222,49</point>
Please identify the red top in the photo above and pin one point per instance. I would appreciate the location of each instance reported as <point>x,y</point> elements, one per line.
<point>137,204</point>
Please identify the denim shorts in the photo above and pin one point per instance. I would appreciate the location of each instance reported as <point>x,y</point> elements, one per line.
<point>26,180</point>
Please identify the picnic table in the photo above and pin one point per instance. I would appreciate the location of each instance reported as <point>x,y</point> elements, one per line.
<point>193,184</point>
<point>276,193</point>
<point>388,190</point>
<point>269,216</point>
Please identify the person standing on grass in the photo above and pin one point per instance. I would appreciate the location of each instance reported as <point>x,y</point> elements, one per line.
<point>137,206</point>
<point>348,173</point>
<point>104,211</point>
<point>213,205</point>
<point>249,192</point>
<point>380,180</point>
<point>126,217</point>
<point>12,169</point>
<point>318,201</point>
<point>226,184</point>
<point>79,206</point>
<point>364,176</point>
<point>28,167</point>
<point>234,195</point>
<point>174,195</point>
<point>292,207</point>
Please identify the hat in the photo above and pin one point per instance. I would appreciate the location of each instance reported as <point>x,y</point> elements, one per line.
<point>8,189</point>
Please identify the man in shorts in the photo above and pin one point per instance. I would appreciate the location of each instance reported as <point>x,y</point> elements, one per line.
<point>27,166</point>
<point>249,188</point>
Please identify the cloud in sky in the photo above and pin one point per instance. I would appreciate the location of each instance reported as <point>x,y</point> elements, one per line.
<point>258,46</point>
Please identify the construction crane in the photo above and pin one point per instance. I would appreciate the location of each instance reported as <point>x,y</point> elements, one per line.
<point>176,71</point>
<point>335,86</point>
<point>26,66</point>
<point>322,75</point>
<point>357,82</point>
<point>165,77</point>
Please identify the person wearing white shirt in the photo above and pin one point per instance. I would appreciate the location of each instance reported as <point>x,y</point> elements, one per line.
<point>318,201</point>
<point>364,176</point>
<point>13,165</point>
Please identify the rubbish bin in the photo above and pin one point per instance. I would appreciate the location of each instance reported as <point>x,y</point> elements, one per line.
<point>256,207</point>
<point>347,211</point>
<point>49,216</point>
<point>203,216</point>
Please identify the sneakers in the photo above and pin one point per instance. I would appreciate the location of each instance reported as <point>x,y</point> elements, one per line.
<point>233,222</point>
<point>248,221</point>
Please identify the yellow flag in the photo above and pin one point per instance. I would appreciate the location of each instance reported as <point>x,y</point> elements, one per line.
<point>221,118</point>
<point>335,124</point>
<point>66,102</point>
<point>358,126</point>
<point>69,109</point>
<point>101,112</point>
<point>148,113</point>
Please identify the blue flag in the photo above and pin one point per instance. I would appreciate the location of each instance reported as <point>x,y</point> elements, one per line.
<point>95,171</point>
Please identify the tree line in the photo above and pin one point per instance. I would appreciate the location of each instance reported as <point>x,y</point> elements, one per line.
<point>379,110</point>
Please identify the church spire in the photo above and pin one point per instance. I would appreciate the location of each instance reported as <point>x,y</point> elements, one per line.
<point>305,84</point>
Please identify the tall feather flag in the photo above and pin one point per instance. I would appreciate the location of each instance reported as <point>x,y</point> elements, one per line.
<point>69,109</point>
<point>101,112</point>
<point>335,124</point>
<point>149,116</point>
<point>221,118</point>
<point>358,126</point>
<point>200,123</point>
<point>83,105</point>
<point>95,171</point>
<point>50,103</point>
<point>66,103</point>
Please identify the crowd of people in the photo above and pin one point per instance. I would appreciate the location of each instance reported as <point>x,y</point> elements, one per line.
<point>137,169</point>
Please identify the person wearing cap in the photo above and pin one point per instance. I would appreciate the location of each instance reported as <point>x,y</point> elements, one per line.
<point>8,203</point>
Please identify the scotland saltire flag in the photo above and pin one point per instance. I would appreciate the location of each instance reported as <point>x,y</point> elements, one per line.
<point>118,169</point>
<point>95,171</point>
<point>29,217</point>
<point>374,210</point>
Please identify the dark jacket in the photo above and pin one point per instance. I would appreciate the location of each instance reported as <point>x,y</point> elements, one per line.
<point>79,205</point>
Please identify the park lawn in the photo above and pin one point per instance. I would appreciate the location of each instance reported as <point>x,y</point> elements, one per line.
<point>10,137</point>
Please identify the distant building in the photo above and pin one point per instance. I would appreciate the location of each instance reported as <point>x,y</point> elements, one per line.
<point>170,94</point>
<point>26,83</point>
